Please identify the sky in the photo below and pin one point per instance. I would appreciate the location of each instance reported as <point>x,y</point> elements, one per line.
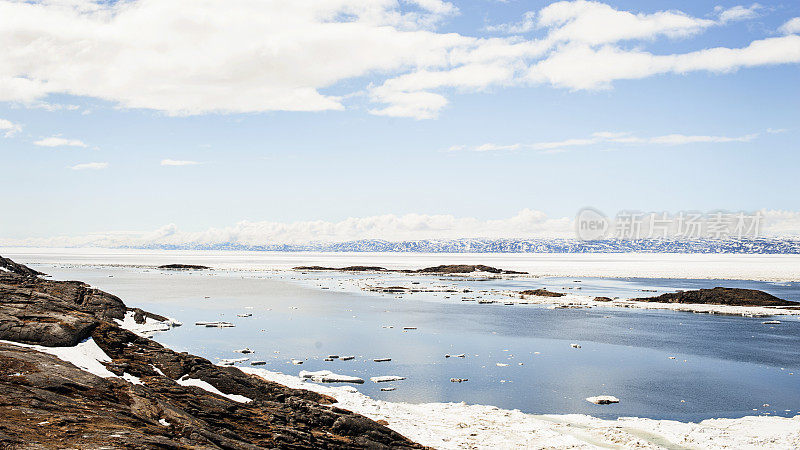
<point>389,119</point>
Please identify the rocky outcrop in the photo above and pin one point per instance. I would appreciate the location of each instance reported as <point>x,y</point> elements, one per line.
<point>466,268</point>
<point>443,269</point>
<point>50,403</point>
<point>52,313</point>
<point>541,293</point>
<point>343,269</point>
<point>19,269</point>
<point>721,296</point>
<point>183,267</point>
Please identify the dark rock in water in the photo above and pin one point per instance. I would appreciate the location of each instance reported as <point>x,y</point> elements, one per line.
<point>722,296</point>
<point>183,267</point>
<point>465,268</point>
<point>542,293</point>
<point>602,299</point>
<point>343,269</point>
<point>50,403</point>
<point>453,268</point>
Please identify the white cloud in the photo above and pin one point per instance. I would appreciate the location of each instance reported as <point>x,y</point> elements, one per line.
<point>776,130</point>
<point>525,224</point>
<point>53,106</point>
<point>605,137</point>
<point>585,67</point>
<point>193,57</point>
<point>791,27</point>
<point>173,162</point>
<point>90,166</point>
<point>9,128</point>
<point>596,23</point>
<point>738,12</point>
<point>59,142</point>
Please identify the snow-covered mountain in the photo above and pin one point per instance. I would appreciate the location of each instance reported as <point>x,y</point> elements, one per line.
<point>755,245</point>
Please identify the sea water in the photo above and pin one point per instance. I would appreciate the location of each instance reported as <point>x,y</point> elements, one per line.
<point>660,364</point>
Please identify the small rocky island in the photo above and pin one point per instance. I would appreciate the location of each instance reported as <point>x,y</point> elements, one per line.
<point>442,269</point>
<point>721,296</point>
<point>183,267</point>
<point>131,392</point>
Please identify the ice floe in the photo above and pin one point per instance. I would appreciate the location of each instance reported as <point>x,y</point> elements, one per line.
<point>603,399</point>
<point>386,378</point>
<point>326,376</point>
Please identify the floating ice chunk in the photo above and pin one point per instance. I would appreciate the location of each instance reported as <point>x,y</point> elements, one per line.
<point>575,345</point>
<point>388,389</point>
<point>458,380</point>
<point>502,365</point>
<point>409,328</point>
<point>386,379</point>
<point>215,324</point>
<point>460,355</point>
<point>603,399</point>
<point>245,315</point>
<point>771,322</point>
<point>232,361</point>
<point>296,362</point>
<point>382,359</point>
<point>326,376</point>
<point>244,351</point>
<point>347,358</point>
<point>333,356</point>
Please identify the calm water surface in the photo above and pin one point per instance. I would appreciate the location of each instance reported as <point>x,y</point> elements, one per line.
<point>724,366</point>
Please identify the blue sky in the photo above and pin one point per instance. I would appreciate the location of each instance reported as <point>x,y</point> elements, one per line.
<point>702,133</point>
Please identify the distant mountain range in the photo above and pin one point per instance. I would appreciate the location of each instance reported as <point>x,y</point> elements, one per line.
<point>752,245</point>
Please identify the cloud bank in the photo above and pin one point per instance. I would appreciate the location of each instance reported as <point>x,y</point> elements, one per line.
<point>184,57</point>
<point>608,137</point>
<point>90,166</point>
<point>527,224</point>
<point>59,142</point>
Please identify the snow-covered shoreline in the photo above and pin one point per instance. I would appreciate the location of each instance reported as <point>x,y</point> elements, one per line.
<point>583,301</point>
<point>461,426</point>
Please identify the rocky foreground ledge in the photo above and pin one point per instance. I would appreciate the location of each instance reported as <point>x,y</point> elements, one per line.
<point>131,392</point>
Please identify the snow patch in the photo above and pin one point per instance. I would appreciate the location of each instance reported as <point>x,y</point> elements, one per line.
<point>186,381</point>
<point>150,326</point>
<point>87,356</point>
<point>131,378</point>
